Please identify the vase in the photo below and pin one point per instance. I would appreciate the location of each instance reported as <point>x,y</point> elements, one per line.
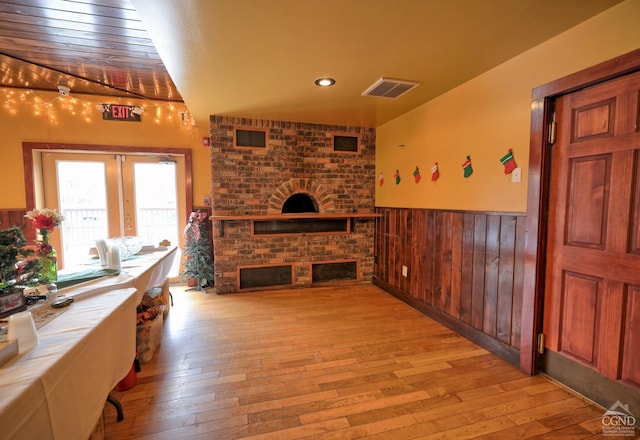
<point>48,259</point>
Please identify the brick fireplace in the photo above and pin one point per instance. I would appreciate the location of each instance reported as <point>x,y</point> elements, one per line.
<point>256,166</point>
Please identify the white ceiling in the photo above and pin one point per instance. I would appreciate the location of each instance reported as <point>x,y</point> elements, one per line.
<point>259,58</point>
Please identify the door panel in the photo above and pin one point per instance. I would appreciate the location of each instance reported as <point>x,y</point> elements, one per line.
<point>592,307</point>
<point>580,299</point>
<point>594,120</point>
<point>634,243</point>
<point>631,364</point>
<point>588,199</point>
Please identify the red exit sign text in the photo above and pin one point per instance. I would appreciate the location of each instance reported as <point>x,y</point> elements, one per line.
<point>117,112</point>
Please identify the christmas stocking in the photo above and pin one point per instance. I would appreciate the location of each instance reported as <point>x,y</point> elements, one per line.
<point>416,175</point>
<point>509,162</point>
<point>434,172</point>
<point>381,179</point>
<point>466,165</point>
<point>397,177</point>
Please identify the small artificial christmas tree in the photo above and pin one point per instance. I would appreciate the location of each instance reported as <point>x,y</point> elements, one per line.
<point>16,268</point>
<point>198,262</point>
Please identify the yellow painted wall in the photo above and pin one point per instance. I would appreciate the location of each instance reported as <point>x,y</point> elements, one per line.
<point>80,122</point>
<point>485,117</point>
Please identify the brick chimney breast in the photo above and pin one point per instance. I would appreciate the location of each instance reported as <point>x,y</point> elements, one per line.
<point>250,181</point>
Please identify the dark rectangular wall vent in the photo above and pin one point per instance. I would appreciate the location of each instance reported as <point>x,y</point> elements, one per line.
<point>265,276</point>
<point>334,271</point>
<point>345,143</point>
<point>251,138</point>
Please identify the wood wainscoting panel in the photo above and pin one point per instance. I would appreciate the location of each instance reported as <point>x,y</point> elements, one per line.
<point>464,267</point>
<point>15,217</point>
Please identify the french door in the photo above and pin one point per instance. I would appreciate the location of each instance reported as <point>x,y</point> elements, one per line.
<point>112,195</point>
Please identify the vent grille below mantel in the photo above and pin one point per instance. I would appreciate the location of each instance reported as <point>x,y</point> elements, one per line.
<point>390,88</point>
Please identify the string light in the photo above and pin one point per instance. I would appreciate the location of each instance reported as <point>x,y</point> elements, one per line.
<point>14,99</point>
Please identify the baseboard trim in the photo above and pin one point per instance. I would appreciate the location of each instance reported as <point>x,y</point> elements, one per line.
<point>587,382</point>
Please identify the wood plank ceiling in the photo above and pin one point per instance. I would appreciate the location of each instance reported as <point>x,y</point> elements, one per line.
<point>258,59</point>
<point>98,48</point>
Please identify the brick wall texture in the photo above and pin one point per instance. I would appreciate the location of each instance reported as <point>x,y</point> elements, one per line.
<point>298,158</point>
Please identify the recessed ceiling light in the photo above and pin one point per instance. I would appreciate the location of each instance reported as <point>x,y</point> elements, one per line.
<point>325,82</point>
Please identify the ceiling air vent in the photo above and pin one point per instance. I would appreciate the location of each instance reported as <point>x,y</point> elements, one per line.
<point>390,88</point>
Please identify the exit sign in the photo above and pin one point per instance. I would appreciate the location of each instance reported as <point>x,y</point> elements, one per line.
<point>117,112</point>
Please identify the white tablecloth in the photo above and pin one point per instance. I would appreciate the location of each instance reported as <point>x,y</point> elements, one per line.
<point>151,268</point>
<point>58,390</point>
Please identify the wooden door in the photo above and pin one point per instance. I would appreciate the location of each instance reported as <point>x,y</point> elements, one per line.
<point>592,293</point>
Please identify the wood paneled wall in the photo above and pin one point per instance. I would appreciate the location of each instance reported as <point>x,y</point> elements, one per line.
<point>15,217</point>
<point>464,269</point>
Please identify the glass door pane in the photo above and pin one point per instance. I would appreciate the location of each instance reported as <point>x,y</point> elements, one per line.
<point>156,202</point>
<point>83,200</point>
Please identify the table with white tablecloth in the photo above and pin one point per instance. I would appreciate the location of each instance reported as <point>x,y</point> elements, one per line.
<point>58,389</point>
<point>149,268</point>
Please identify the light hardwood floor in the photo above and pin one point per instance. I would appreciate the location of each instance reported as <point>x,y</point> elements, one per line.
<point>333,363</point>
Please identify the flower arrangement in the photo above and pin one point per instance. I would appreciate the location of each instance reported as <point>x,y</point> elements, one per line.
<point>45,221</point>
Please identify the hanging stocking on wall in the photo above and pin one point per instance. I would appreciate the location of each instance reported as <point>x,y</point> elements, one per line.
<point>434,172</point>
<point>381,179</point>
<point>466,165</point>
<point>416,174</point>
<point>509,162</point>
<point>397,177</point>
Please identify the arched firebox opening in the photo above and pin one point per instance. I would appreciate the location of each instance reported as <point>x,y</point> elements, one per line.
<point>305,218</point>
<point>320,196</point>
<point>299,203</point>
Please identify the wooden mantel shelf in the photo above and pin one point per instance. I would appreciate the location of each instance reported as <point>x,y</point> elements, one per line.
<point>352,217</point>
<point>293,216</point>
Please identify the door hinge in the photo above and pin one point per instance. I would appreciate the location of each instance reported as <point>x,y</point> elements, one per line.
<point>552,129</point>
<point>541,343</point>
